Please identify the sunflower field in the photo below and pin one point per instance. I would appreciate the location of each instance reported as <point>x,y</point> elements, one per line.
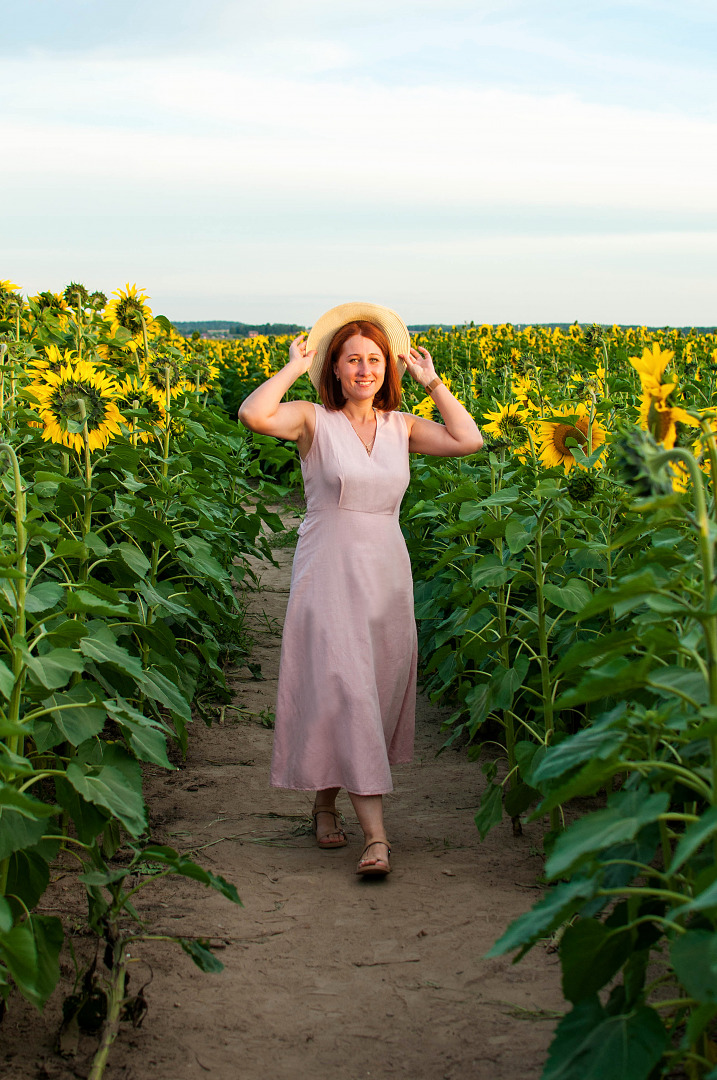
<point>129,505</point>
<point>567,615</point>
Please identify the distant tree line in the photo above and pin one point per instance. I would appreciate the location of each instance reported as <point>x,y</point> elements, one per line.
<point>225,328</point>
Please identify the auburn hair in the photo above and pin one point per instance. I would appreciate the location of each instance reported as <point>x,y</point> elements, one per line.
<point>388,396</point>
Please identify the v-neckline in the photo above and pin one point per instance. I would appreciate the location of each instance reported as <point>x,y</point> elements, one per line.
<point>369,453</point>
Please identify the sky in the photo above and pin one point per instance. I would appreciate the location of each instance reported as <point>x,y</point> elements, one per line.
<point>490,160</point>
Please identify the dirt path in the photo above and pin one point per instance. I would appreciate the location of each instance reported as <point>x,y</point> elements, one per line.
<point>325,972</point>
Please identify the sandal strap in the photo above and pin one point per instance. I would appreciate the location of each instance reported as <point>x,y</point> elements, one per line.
<point>384,842</point>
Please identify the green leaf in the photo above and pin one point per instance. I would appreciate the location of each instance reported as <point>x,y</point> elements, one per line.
<point>589,1044</point>
<point>573,596</point>
<point>7,680</point>
<point>202,956</point>
<point>88,820</point>
<point>671,680</point>
<point>491,810</point>
<point>18,951</point>
<point>18,831</point>
<point>490,572</point>
<point>134,558</point>
<point>105,650</point>
<point>590,955</point>
<point>519,798</point>
<point>49,938</point>
<point>519,532</point>
<point>24,804</point>
<point>147,736</point>
<point>155,598</point>
<point>43,597</point>
<point>159,688</point>
<point>186,867</point>
<point>55,668</point>
<point>86,601</point>
<point>559,904</point>
<point>504,497</point>
<point>626,813</point>
<point>78,712</point>
<point>694,958</point>
<point>595,743</point>
<point>6,918</point>
<point>117,787</point>
<point>28,877</point>
<point>694,836</point>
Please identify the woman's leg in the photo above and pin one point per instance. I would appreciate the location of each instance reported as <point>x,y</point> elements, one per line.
<point>325,822</point>
<point>369,811</point>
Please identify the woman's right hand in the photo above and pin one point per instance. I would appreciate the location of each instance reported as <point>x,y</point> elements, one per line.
<point>299,357</point>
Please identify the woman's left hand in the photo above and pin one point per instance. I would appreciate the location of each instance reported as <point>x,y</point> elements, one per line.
<point>420,365</point>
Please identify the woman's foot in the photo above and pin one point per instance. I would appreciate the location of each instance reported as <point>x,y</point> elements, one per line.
<point>374,861</point>
<point>327,827</point>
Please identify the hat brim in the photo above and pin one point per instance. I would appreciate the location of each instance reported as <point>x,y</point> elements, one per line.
<point>322,333</point>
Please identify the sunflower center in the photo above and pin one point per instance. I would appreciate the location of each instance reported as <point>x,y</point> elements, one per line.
<point>576,432</point>
<point>129,314</point>
<point>65,404</point>
<point>512,429</point>
<point>659,421</point>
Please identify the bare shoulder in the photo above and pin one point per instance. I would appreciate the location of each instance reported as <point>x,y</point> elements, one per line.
<point>409,420</point>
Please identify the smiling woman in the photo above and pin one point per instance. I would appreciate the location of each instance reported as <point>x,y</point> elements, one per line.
<point>346,695</point>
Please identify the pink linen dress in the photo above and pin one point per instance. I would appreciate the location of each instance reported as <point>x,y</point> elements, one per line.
<point>347,679</point>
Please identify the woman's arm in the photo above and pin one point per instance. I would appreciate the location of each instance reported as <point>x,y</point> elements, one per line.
<point>263,410</point>
<point>458,435</point>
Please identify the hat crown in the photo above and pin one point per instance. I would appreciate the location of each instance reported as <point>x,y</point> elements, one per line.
<point>322,332</point>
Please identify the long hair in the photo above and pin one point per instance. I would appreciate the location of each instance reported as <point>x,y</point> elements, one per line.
<point>388,396</point>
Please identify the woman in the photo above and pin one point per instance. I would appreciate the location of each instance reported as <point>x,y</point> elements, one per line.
<point>347,679</point>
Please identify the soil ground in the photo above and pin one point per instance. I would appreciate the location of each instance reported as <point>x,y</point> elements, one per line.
<point>325,973</point>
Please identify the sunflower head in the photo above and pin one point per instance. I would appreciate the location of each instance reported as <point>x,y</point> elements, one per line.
<point>581,486</point>
<point>75,399</point>
<point>560,434</point>
<point>593,335</point>
<point>98,301</point>
<point>129,310</point>
<point>76,296</point>
<point>651,365</point>
<point>509,425</point>
<point>10,301</point>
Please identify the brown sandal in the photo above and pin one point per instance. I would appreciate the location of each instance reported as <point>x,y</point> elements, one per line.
<point>324,842</point>
<point>378,869</point>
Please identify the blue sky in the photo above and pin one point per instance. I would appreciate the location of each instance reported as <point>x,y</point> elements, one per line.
<point>498,161</point>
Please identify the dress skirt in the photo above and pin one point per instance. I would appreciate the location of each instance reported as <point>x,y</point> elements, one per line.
<point>347,679</point>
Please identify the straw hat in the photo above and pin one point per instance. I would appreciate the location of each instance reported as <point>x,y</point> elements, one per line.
<point>323,330</point>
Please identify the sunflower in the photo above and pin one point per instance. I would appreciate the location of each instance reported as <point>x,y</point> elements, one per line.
<point>651,365</point>
<point>510,425</point>
<point>555,434</point>
<point>10,301</point>
<point>660,418</point>
<point>59,394</point>
<point>136,393</point>
<point>155,375</point>
<point>130,312</point>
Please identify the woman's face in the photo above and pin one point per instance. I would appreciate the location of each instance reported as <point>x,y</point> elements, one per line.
<point>361,368</point>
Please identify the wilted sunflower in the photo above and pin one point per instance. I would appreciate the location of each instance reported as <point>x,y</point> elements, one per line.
<point>135,393</point>
<point>59,395</point>
<point>555,434</point>
<point>129,311</point>
<point>510,425</point>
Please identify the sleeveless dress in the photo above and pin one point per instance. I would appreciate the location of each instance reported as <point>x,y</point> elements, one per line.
<point>347,678</point>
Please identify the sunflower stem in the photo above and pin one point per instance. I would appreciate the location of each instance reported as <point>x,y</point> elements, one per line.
<point>16,742</point>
